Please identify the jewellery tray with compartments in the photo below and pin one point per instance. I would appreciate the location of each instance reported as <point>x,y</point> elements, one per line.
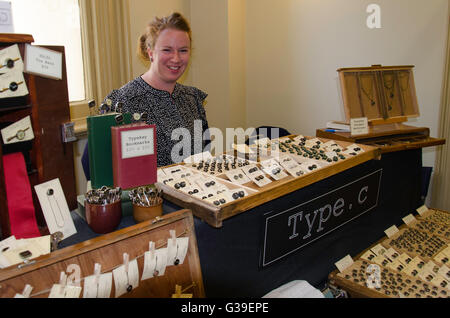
<point>360,290</point>
<point>389,137</point>
<point>107,250</point>
<point>214,215</point>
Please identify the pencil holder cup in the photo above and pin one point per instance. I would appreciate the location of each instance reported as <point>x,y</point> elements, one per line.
<point>103,218</point>
<point>144,213</point>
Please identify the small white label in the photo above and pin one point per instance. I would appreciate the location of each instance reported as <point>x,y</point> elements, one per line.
<point>359,126</point>
<point>422,210</point>
<point>137,143</point>
<point>391,231</point>
<point>344,263</point>
<point>409,219</point>
<point>43,62</point>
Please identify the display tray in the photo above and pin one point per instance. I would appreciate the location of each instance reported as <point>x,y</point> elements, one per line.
<point>180,280</point>
<point>410,263</point>
<point>389,137</point>
<point>381,93</point>
<point>294,166</point>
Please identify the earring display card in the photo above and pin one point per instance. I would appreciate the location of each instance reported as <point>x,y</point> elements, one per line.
<point>55,208</point>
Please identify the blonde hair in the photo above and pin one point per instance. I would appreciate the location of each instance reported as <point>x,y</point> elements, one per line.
<point>156,26</point>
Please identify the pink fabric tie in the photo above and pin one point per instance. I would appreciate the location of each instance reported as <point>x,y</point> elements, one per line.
<point>22,216</point>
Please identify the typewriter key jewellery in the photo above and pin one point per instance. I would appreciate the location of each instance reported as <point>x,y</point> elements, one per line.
<point>375,281</point>
<point>412,262</point>
<point>220,186</point>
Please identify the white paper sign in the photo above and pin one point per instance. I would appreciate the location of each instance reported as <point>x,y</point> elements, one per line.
<point>359,126</point>
<point>43,62</point>
<point>6,19</point>
<point>137,143</point>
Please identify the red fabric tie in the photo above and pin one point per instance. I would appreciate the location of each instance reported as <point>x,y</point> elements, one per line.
<point>22,216</point>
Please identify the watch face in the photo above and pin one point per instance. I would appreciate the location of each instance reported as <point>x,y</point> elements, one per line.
<point>20,134</point>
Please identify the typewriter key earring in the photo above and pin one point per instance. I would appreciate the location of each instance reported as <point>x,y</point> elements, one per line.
<point>177,260</point>
<point>59,219</point>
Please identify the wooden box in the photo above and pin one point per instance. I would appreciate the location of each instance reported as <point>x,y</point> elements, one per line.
<point>388,137</point>
<point>107,250</point>
<point>214,215</point>
<point>380,93</point>
<point>386,95</point>
<point>419,270</point>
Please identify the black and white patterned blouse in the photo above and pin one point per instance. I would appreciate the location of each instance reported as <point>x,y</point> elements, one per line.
<point>167,111</point>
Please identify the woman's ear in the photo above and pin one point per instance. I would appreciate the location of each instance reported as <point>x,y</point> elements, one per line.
<point>150,54</point>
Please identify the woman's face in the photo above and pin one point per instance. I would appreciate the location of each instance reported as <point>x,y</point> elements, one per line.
<point>170,55</point>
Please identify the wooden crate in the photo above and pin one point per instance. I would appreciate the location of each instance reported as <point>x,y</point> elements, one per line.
<point>422,286</point>
<point>107,250</point>
<point>214,215</point>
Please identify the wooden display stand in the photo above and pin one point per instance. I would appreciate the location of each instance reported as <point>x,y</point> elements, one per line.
<point>107,250</point>
<point>48,106</point>
<point>214,215</point>
<point>386,95</point>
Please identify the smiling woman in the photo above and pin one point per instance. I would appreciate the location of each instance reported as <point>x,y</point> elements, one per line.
<point>171,106</point>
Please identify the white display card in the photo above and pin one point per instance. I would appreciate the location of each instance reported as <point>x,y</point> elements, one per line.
<point>11,53</point>
<point>124,279</point>
<point>90,287</point>
<point>104,285</point>
<point>55,208</point>
<point>161,260</point>
<point>19,131</point>
<point>13,84</point>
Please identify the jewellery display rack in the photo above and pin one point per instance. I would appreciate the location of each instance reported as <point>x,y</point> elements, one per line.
<point>107,251</point>
<point>386,95</point>
<point>214,196</point>
<point>47,157</point>
<point>412,263</point>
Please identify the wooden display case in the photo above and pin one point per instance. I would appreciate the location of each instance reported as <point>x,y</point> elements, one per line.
<point>215,215</point>
<point>386,95</point>
<point>47,157</point>
<point>383,94</point>
<point>107,250</point>
<point>389,137</point>
<point>397,265</point>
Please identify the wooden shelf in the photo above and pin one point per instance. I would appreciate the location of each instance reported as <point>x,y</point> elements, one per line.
<point>47,104</point>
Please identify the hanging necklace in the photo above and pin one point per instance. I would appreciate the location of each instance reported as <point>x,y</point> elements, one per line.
<point>401,76</point>
<point>59,219</point>
<point>369,94</point>
<point>389,85</point>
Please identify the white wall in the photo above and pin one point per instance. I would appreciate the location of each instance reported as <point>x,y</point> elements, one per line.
<point>294,48</point>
